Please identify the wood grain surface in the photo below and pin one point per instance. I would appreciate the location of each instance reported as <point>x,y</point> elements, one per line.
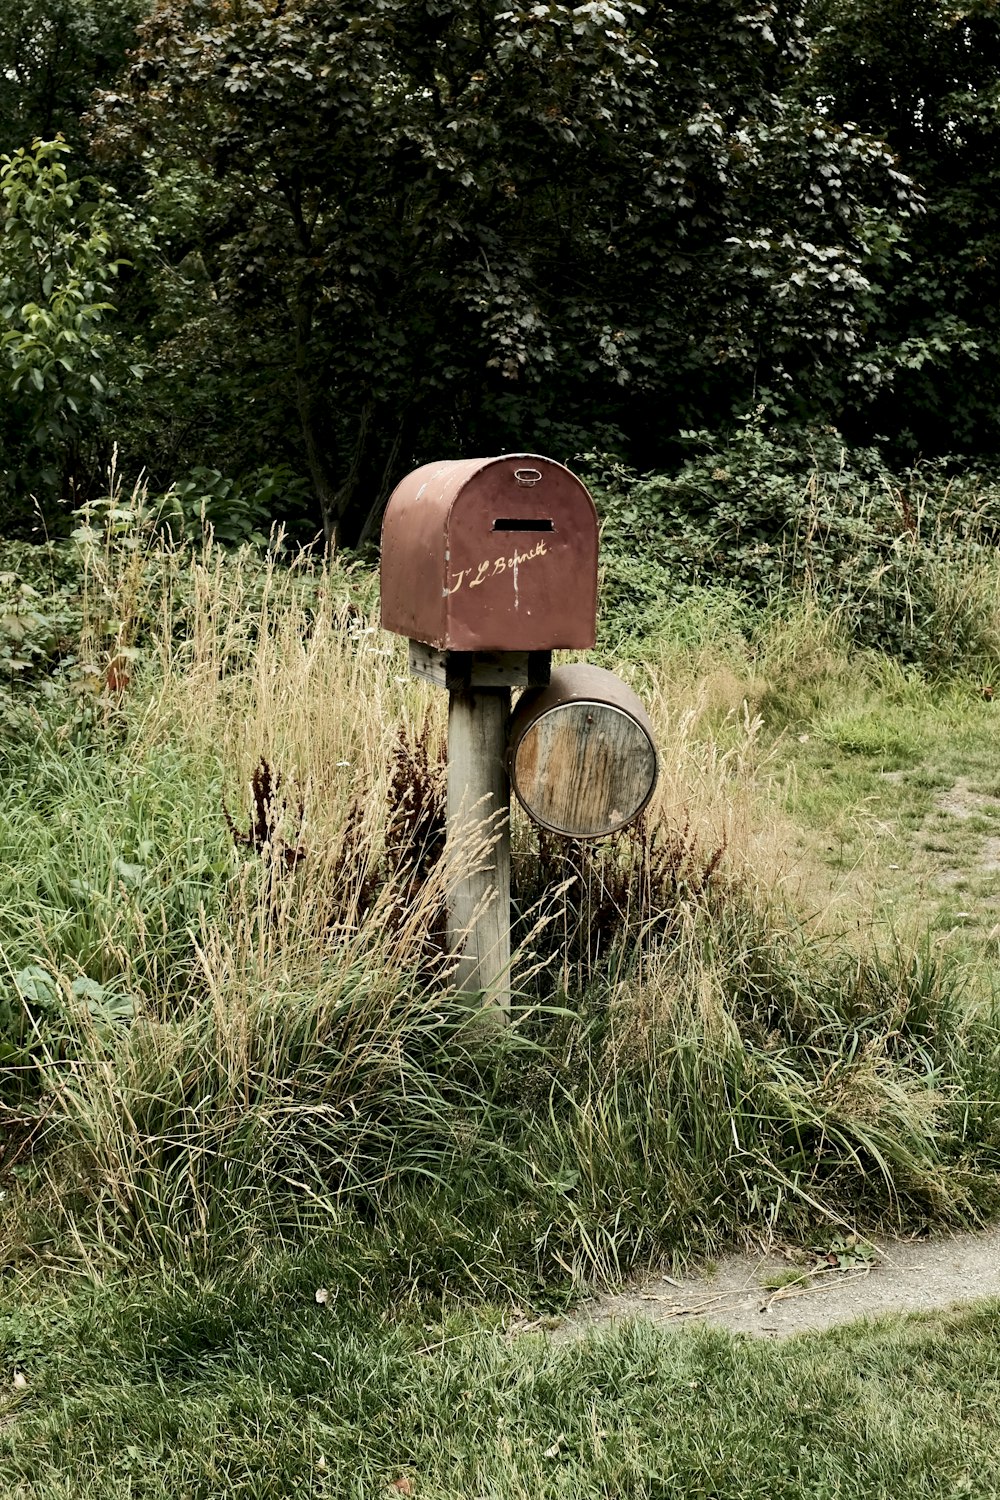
<point>479,835</point>
<point>584,769</point>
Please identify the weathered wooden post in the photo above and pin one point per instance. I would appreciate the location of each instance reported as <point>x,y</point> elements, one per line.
<point>479,814</point>
<point>488,565</point>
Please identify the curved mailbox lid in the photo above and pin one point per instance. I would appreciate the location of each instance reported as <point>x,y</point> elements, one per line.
<point>582,758</point>
<point>491,554</point>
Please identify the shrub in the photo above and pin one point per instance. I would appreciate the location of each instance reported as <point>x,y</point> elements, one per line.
<point>907,560</point>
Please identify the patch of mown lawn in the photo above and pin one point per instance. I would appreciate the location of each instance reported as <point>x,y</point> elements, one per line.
<point>255,1389</point>
<point>894,792</point>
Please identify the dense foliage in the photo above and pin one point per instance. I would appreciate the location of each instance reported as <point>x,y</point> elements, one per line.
<point>353,239</point>
<point>56,277</point>
<point>925,78</point>
<point>904,558</point>
<point>53,54</point>
<point>483,228</point>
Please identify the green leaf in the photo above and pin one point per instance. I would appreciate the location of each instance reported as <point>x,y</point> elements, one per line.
<point>132,875</point>
<point>37,986</point>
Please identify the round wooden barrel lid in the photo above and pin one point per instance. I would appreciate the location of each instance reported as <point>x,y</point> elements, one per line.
<point>582,759</point>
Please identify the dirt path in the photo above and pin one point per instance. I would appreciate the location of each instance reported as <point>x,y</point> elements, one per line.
<point>757,1295</point>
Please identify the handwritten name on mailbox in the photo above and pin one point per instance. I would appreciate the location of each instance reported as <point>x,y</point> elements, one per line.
<point>500,565</point>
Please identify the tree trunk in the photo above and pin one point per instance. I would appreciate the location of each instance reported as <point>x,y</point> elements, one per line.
<point>373,516</point>
<point>311,421</point>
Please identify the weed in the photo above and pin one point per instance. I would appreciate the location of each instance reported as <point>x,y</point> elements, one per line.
<point>614,899</point>
<point>268,815</point>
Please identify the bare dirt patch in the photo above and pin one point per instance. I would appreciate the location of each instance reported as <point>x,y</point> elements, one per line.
<point>989,857</point>
<point>742,1293</point>
<point>962,802</point>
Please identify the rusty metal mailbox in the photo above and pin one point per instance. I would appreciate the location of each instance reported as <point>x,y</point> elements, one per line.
<point>491,554</point>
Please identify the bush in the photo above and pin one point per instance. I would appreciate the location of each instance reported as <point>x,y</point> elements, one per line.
<point>908,561</point>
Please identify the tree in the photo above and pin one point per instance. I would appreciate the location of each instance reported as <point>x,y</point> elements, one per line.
<point>926,77</point>
<point>445,226</point>
<point>56,271</point>
<point>53,55</point>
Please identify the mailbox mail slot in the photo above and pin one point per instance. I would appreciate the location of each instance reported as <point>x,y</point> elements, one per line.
<point>491,554</point>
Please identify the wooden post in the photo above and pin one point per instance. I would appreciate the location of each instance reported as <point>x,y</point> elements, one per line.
<point>479,819</point>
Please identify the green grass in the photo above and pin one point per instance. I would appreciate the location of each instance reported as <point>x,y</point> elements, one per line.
<point>897,790</point>
<point>230,1078</point>
<point>247,1387</point>
<point>107,857</point>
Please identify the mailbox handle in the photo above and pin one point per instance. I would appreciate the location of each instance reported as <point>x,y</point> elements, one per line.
<point>527,477</point>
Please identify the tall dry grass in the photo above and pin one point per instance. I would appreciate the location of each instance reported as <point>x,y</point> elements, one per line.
<point>251,662</point>
<point>296,1057</point>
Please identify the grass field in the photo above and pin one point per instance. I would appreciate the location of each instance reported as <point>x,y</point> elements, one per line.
<point>250,1388</point>
<point>233,1073</point>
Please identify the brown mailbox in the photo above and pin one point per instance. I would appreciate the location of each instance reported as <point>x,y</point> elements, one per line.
<point>491,554</point>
